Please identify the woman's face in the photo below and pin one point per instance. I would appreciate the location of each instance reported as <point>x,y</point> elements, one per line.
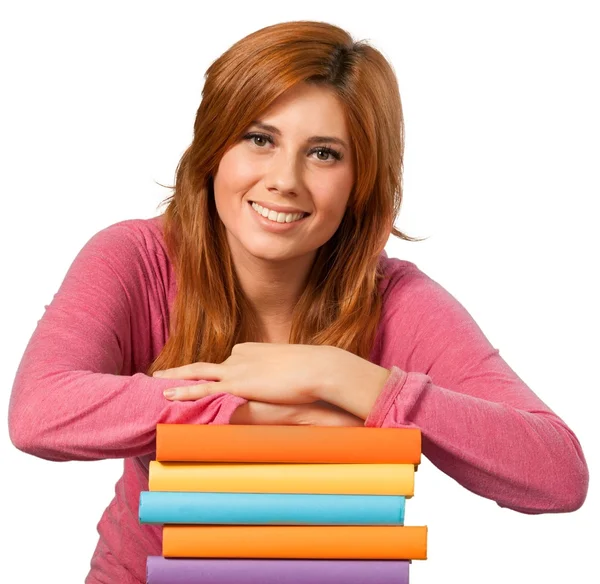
<point>295,159</point>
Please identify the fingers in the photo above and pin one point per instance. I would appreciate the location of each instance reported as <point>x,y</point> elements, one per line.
<point>189,392</point>
<point>192,371</point>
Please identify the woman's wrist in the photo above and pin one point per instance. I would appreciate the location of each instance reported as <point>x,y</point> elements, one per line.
<point>354,385</point>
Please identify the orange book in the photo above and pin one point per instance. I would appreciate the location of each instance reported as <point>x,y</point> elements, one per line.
<point>386,542</point>
<point>293,444</point>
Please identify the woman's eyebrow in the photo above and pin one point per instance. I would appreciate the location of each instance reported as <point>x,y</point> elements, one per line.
<point>311,140</point>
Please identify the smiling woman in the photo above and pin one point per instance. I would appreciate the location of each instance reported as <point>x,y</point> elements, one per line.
<point>282,195</point>
<point>300,119</point>
<point>263,295</point>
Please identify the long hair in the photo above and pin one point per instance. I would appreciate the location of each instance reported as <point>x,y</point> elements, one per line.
<point>341,304</point>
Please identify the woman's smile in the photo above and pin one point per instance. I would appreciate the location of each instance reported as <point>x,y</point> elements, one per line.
<point>281,223</point>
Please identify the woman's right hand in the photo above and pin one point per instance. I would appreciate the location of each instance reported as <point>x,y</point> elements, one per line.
<point>319,413</point>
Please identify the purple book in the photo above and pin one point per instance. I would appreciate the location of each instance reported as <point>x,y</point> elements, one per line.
<point>161,570</point>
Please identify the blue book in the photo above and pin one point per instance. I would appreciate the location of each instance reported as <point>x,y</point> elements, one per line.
<point>161,507</point>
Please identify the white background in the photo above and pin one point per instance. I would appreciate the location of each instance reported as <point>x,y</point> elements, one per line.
<point>502,159</point>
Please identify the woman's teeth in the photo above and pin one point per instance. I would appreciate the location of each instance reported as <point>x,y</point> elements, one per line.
<point>275,216</point>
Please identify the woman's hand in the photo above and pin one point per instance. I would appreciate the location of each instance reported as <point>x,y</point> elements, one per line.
<point>318,413</point>
<point>281,373</point>
<point>268,372</point>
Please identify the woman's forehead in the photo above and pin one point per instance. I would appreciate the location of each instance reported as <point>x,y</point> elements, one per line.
<point>306,109</point>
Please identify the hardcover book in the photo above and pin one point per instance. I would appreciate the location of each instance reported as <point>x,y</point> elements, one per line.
<point>270,508</point>
<point>341,479</point>
<point>291,444</point>
<point>161,570</point>
<point>380,542</point>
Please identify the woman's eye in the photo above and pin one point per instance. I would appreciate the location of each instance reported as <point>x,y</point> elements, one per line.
<point>327,154</point>
<point>259,140</point>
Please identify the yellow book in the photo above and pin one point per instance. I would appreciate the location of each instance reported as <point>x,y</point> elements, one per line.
<point>343,479</point>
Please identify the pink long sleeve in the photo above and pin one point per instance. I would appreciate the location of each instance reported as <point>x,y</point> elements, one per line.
<point>79,392</point>
<point>481,424</point>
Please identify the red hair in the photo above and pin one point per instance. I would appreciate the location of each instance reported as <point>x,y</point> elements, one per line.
<point>340,305</point>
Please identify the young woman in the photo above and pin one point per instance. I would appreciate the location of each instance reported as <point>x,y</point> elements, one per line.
<point>263,295</point>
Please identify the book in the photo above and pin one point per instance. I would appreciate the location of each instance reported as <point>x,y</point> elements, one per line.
<point>341,479</point>
<point>270,508</point>
<point>287,444</point>
<point>161,570</point>
<point>381,542</point>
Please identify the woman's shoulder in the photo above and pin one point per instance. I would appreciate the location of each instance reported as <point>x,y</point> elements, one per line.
<point>132,248</point>
<point>139,232</point>
<point>134,251</point>
<point>399,274</point>
<point>411,294</point>
<point>129,240</point>
<point>406,287</point>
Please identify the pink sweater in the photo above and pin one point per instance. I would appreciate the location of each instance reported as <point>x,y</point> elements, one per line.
<point>79,393</point>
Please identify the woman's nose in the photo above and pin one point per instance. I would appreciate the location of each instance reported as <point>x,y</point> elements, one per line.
<point>284,172</point>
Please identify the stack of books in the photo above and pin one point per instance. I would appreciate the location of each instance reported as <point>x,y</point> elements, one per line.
<point>282,504</point>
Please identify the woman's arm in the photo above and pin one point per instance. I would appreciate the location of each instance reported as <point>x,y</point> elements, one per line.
<point>78,393</point>
<point>318,413</point>
<point>481,424</point>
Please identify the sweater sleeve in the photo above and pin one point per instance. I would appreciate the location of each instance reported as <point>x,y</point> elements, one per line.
<point>79,392</point>
<point>480,423</point>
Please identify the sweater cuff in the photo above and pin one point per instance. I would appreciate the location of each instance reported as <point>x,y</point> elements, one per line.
<point>387,396</point>
<point>229,404</point>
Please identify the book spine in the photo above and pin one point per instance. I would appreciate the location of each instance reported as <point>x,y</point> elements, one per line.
<point>287,444</point>
<point>274,571</point>
<point>342,479</point>
<point>383,542</point>
<point>268,509</point>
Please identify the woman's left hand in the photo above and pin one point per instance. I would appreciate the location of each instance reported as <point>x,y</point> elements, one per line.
<point>270,372</point>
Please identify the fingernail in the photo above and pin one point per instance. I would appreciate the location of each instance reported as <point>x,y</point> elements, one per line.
<point>158,374</point>
<point>169,392</point>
